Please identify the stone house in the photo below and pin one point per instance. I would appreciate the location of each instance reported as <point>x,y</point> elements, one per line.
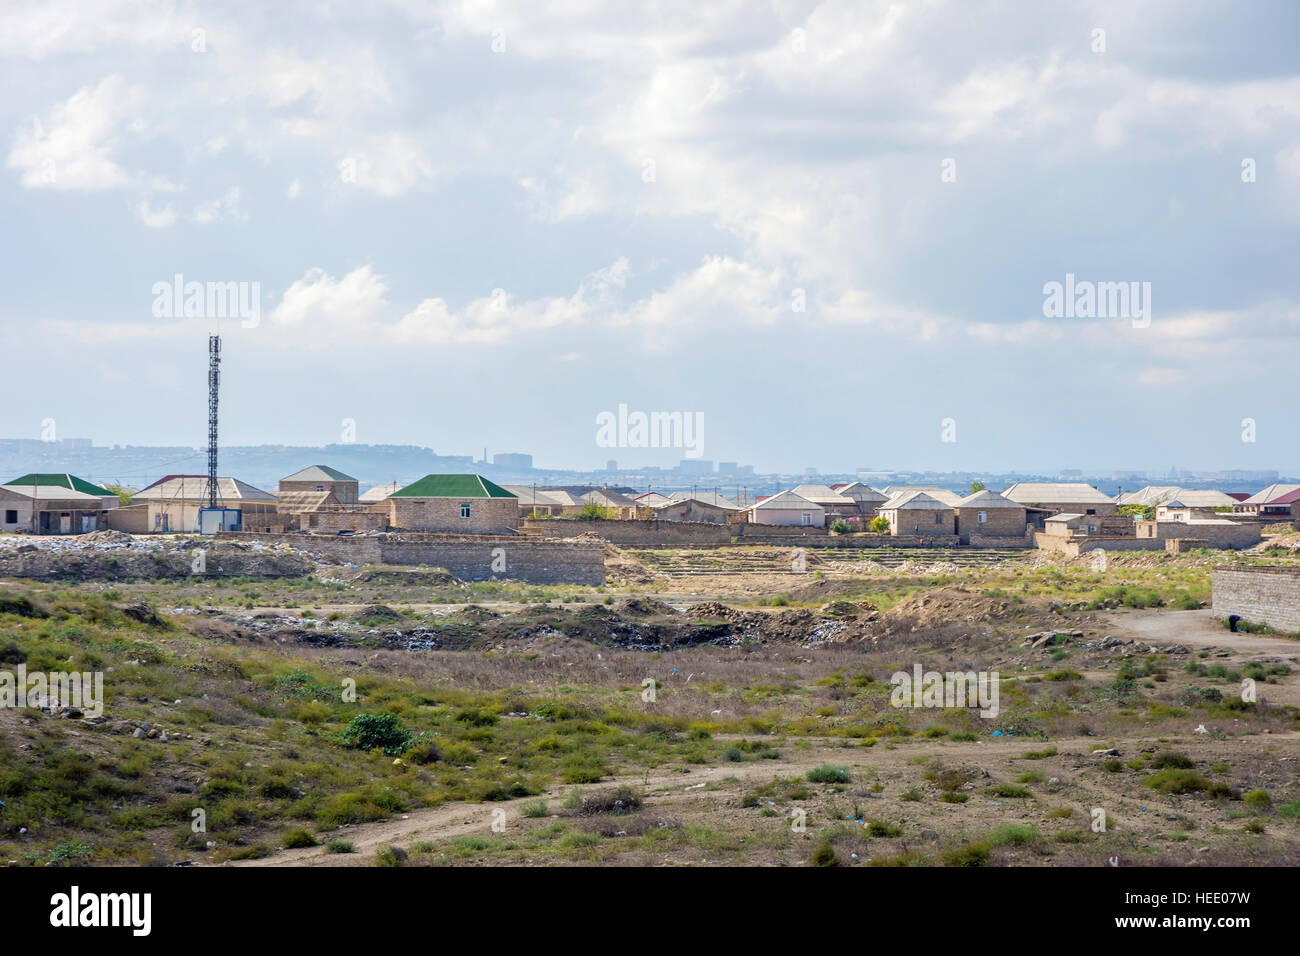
<point>989,515</point>
<point>919,514</point>
<point>468,504</point>
<point>788,508</point>
<point>323,478</point>
<point>1062,497</point>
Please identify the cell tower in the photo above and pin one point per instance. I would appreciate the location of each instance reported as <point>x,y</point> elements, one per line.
<point>214,382</point>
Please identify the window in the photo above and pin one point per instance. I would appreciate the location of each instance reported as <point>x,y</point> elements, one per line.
<point>11,516</point>
<point>982,517</point>
<point>1091,511</point>
<point>320,487</point>
<point>464,509</point>
<point>807,518</point>
<point>938,518</point>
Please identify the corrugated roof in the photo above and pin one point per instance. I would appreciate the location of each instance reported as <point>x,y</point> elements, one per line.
<point>708,497</point>
<point>949,498</point>
<point>1150,495</point>
<point>1270,494</point>
<point>1191,498</point>
<point>860,491</point>
<point>54,480</point>
<point>57,493</point>
<point>788,501</point>
<point>318,473</point>
<point>1075,492</point>
<point>452,486</point>
<point>915,501</point>
<point>823,495</point>
<point>194,488</point>
<point>987,499</point>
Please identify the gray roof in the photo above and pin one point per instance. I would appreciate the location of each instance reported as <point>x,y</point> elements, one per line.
<point>708,497</point>
<point>1075,492</point>
<point>380,492</point>
<point>789,501</point>
<point>987,499</point>
<point>914,501</point>
<point>318,473</point>
<point>194,488</point>
<point>1269,493</point>
<point>949,498</point>
<point>1207,498</point>
<point>861,492</point>
<point>1150,495</point>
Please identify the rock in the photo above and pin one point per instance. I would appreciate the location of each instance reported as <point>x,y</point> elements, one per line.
<point>931,835</point>
<point>139,733</point>
<point>1107,752</point>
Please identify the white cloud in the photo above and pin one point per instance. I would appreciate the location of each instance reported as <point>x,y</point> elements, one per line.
<point>294,190</point>
<point>155,218</point>
<point>225,209</point>
<point>387,165</point>
<point>73,147</point>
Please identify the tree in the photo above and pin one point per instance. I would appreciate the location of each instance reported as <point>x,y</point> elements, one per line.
<point>977,486</point>
<point>123,495</point>
<point>880,524</point>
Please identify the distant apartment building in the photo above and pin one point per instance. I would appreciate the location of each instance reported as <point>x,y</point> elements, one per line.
<point>512,459</point>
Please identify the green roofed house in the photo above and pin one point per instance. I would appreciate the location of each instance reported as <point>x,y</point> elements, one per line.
<point>54,504</point>
<point>457,503</point>
<point>323,478</point>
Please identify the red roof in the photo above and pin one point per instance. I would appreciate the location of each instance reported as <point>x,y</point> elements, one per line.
<point>1289,498</point>
<point>1239,495</point>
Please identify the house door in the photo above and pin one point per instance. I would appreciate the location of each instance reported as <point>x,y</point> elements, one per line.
<point>65,524</point>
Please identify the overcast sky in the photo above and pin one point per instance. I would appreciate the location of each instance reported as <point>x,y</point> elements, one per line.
<point>824,227</point>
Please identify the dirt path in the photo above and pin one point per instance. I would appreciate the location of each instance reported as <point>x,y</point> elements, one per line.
<point>1199,629</point>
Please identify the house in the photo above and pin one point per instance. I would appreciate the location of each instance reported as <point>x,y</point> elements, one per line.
<point>54,504</point>
<point>1186,505</point>
<point>709,497</point>
<point>949,498</point>
<point>920,514</point>
<point>461,503</point>
<point>173,503</point>
<point>1061,497</point>
<point>867,499</point>
<point>788,508</point>
<point>1068,524</point>
<point>1269,505</point>
<point>987,514</point>
<point>835,504</point>
<point>693,509</point>
<point>305,502</point>
<point>323,478</point>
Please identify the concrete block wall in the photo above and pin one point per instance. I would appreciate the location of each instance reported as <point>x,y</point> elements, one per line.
<point>1261,595</point>
<point>487,515</point>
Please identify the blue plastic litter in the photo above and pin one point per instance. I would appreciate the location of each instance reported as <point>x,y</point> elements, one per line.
<point>997,733</point>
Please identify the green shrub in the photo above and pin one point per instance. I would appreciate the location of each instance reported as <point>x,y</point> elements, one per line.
<point>1013,834</point>
<point>829,773</point>
<point>534,808</point>
<point>879,828</point>
<point>1176,781</point>
<point>1258,799</point>
<point>972,854</point>
<point>824,855</point>
<point>295,839</point>
<point>1170,759</point>
<point>377,731</point>
<point>390,856</point>
<point>340,846</point>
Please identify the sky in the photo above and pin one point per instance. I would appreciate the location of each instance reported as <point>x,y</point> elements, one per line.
<point>826,230</point>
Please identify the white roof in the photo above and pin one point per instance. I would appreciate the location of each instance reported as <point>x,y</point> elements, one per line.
<point>789,501</point>
<point>1066,516</point>
<point>1268,494</point>
<point>652,499</point>
<point>1150,495</point>
<point>705,497</point>
<point>1075,492</point>
<point>528,496</point>
<point>194,488</point>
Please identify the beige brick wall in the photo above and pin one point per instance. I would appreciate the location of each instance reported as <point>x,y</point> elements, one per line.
<point>1261,595</point>
<point>487,515</point>
<point>344,491</point>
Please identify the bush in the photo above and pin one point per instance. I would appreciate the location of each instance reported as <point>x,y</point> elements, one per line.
<point>824,855</point>
<point>1176,781</point>
<point>879,524</point>
<point>534,808</point>
<point>390,856</point>
<point>295,839</point>
<point>840,526</point>
<point>829,773</point>
<point>340,846</point>
<point>1258,799</point>
<point>1013,834</point>
<point>1170,759</point>
<point>377,731</point>
<point>879,828</point>
<point>973,854</point>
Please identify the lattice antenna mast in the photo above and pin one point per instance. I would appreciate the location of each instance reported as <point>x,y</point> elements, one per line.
<point>214,382</point>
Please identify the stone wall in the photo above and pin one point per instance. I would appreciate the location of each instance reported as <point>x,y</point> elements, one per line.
<point>999,523</point>
<point>470,557</point>
<point>1261,595</point>
<point>646,534</point>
